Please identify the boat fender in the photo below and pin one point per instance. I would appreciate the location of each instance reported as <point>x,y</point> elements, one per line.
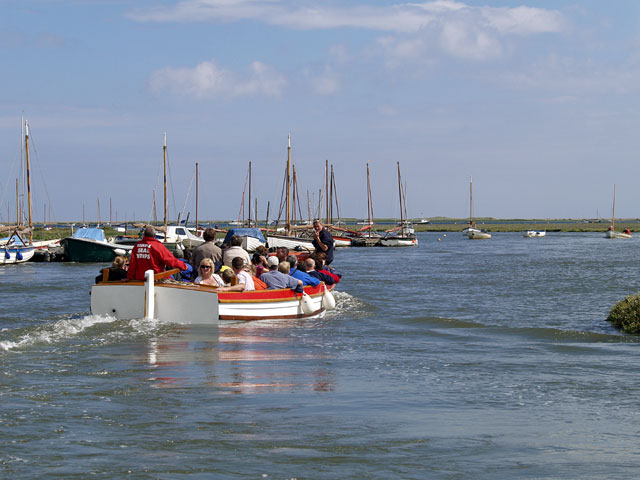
<point>6,254</point>
<point>119,251</point>
<point>307,305</point>
<point>19,255</point>
<point>328,300</point>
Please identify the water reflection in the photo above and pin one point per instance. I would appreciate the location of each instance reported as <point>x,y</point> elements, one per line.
<point>240,358</point>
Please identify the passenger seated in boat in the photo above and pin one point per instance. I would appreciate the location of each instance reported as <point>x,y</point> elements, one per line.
<point>206,275</point>
<point>235,250</point>
<point>244,280</point>
<point>259,260</point>
<point>116,272</point>
<point>258,284</point>
<point>295,273</point>
<point>278,275</point>
<point>228,277</point>
<point>627,231</point>
<point>310,269</point>
<point>322,268</point>
<point>207,250</point>
<point>282,253</point>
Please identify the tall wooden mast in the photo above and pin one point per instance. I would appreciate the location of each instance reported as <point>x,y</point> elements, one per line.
<point>369,202</point>
<point>326,189</point>
<point>613,211</point>
<point>400,194</point>
<point>470,200</point>
<point>288,188</point>
<point>249,194</point>
<point>164,152</point>
<point>26,149</point>
<point>196,196</point>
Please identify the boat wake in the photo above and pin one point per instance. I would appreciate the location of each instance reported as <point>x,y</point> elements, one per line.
<point>47,334</point>
<point>348,305</point>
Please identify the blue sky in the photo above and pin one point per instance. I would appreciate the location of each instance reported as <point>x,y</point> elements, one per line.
<point>537,101</point>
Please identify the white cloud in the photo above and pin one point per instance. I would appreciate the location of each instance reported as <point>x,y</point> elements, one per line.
<point>402,17</point>
<point>460,30</point>
<point>207,80</point>
<point>569,78</point>
<point>324,83</point>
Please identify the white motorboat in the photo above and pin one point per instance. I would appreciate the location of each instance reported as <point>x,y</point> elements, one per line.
<point>534,233</point>
<point>187,303</point>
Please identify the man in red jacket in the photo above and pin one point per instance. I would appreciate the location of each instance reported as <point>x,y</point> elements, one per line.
<point>150,254</point>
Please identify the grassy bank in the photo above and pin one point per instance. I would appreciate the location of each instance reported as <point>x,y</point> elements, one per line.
<point>436,225</point>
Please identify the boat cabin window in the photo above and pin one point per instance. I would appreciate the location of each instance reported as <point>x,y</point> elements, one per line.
<point>180,231</point>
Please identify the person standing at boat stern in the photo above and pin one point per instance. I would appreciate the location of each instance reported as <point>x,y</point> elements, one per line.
<point>150,254</point>
<point>322,241</point>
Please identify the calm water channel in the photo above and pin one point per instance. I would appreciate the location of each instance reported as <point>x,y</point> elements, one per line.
<point>456,359</point>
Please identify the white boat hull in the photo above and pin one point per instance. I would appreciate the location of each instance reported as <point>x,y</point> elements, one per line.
<point>197,304</point>
<point>614,234</point>
<point>251,243</point>
<point>11,255</point>
<point>534,233</point>
<point>292,243</point>
<point>475,234</point>
<point>339,242</point>
<point>399,242</point>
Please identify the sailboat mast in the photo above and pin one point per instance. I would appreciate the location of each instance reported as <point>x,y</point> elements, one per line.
<point>26,147</point>
<point>400,194</point>
<point>331,197</point>
<point>288,187</point>
<point>613,213</point>
<point>98,225</point>
<point>326,190</point>
<point>470,200</point>
<point>17,204</point>
<point>249,194</point>
<point>164,155</point>
<point>369,207</point>
<point>196,196</point>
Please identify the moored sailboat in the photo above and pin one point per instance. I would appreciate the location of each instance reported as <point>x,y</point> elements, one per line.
<point>17,249</point>
<point>472,232</point>
<point>284,237</point>
<point>402,235</point>
<point>611,232</point>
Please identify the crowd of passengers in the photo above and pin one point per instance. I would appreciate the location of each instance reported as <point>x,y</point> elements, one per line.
<point>234,270</point>
<point>231,268</point>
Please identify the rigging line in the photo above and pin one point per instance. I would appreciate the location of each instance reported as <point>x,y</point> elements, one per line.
<point>32,142</point>
<point>244,190</point>
<point>335,194</point>
<point>186,198</point>
<point>282,198</point>
<point>155,187</point>
<point>173,197</point>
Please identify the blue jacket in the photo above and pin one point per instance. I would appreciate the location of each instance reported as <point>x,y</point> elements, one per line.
<point>305,277</point>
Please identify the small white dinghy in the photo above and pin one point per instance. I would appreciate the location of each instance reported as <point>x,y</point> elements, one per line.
<point>534,233</point>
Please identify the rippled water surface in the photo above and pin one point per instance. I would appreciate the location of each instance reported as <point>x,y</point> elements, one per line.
<point>456,359</point>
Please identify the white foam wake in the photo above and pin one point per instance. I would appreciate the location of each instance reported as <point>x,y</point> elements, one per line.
<point>60,330</point>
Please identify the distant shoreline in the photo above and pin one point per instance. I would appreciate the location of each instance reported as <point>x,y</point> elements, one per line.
<point>438,224</point>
